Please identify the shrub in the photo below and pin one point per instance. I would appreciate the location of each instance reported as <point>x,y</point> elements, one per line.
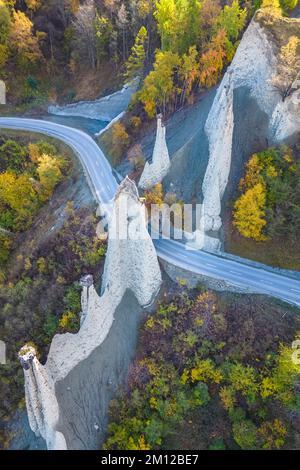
<point>244,434</point>
<point>272,434</point>
<point>69,322</point>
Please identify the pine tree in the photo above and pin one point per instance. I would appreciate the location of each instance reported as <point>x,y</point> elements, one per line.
<point>135,63</point>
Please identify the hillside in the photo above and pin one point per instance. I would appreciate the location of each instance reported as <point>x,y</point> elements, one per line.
<point>120,336</point>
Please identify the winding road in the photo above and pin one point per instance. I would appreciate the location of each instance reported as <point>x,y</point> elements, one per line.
<point>104,185</point>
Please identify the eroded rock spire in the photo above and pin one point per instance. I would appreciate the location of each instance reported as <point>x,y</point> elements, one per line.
<point>155,171</point>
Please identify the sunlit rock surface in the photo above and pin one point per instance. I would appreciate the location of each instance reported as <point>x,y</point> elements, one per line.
<point>155,171</point>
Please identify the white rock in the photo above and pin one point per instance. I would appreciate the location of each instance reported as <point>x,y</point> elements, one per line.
<point>155,171</point>
<point>131,261</point>
<point>2,92</point>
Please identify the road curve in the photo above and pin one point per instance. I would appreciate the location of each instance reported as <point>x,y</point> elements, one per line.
<point>104,185</point>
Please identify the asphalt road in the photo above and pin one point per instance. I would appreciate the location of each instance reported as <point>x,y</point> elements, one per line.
<point>101,177</point>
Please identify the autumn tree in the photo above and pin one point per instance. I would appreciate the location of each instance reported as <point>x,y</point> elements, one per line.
<point>73,5</point>
<point>272,7</point>
<point>18,194</point>
<point>285,375</point>
<point>119,139</point>
<point>232,20</point>
<point>165,16</point>
<point>33,5</point>
<point>154,196</point>
<point>5,25</point>
<point>159,90</point>
<point>272,434</point>
<point>250,213</point>
<point>5,246</point>
<point>23,39</point>
<point>287,77</point>
<point>188,73</point>
<point>40,148</point>
<point>210,11</point>
<point>12,157</point>
<point>178,24</point>
<point>49,174</point>
<point>135,63</point>
<point>212,60</point>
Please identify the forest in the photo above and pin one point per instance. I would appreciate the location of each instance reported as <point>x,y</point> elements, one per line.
<point>206,377</point>
<point>177,47</point>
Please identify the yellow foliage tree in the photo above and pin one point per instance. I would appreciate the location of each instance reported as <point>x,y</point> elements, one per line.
<point>23,39</point>
<point>227,396</point>
<point>159,90</point>
<point>272,6</point>
<point>206,370</point>
<point>33,4</point>
<point>155,196</point>
<point>49,174</point>
<point>17,192</point>
<point>250,212</point>
<point>67,321</point>
<point>252,176</point>
<point>120,136</point>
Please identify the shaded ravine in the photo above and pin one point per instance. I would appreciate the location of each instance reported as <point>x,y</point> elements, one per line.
<point>84,395</point>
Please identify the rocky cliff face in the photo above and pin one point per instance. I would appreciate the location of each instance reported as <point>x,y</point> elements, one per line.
<point>155,171</point>
<point>252,68</point>
<point>131,266</point>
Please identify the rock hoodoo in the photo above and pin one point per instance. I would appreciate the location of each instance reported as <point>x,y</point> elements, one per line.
<point>2,92</point>
<point>131,258</point>
<point>155,171</point>
<point>131,265</point>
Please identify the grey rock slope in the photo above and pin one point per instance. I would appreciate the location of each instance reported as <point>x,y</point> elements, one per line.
<point>104,109</point>
<point>84,394</point>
